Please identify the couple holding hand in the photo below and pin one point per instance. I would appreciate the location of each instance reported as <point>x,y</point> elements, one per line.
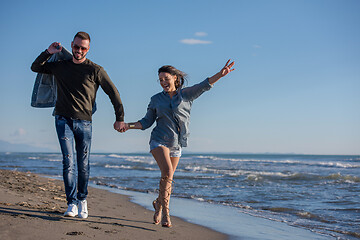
<point>77,82</point>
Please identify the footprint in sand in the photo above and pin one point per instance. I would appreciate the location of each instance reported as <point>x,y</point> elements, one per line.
<point>74,233</point>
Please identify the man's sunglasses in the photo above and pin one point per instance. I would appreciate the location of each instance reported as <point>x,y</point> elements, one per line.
<point>77,47</point>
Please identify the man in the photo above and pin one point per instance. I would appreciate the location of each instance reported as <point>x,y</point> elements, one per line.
<point>77,83</point>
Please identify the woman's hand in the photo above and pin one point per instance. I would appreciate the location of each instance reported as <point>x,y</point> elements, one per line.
<point>133,125</point>
<point>223,72</point>
<point>227,68</point>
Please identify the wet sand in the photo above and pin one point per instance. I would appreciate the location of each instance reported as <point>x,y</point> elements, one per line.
<point>32,207</point>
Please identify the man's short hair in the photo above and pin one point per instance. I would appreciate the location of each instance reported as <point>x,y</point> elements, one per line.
<point>83,36</point>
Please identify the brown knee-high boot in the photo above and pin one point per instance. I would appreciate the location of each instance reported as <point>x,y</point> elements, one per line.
<point>164,194</point>
<point>158,207</point>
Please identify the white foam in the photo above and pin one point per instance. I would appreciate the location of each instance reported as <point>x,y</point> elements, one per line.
<point>115,156</point>
<point>118,166</point>
<point>135,159</point>
<point>287,161</point>
<point>54,160</point>
<point>196,168</point>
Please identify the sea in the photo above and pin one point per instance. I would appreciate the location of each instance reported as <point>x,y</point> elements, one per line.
<point>320,193</point>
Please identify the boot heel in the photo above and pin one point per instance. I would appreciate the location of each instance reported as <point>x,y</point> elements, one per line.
<point>158,209</point>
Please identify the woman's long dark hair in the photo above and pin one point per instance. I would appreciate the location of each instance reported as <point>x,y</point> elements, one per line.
<point>181,76</point>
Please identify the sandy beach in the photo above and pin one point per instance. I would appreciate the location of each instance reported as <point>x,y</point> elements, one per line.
<point>32,207</point>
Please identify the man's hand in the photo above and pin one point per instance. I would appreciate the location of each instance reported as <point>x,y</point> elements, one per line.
<point>55,47</point>
<point>120,126</point>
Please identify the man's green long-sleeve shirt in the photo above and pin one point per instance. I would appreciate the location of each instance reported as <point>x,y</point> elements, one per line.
<point>77,85</point>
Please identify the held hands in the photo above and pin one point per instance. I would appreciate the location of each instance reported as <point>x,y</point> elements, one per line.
<point>120,126</point>
<point>55,47</point>
<point>126,126</point>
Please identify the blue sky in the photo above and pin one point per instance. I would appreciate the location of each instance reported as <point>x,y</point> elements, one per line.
<point>296,87</point>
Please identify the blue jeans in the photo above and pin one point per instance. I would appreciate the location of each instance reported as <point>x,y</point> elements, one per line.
<point>78,131</point>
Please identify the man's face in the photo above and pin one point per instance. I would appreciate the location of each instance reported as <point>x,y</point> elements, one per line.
<point>80,48</point>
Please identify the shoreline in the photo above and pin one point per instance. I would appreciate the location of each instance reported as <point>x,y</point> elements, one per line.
<point>225,219</point>
<point>32,206</point>
<point>27,199</point>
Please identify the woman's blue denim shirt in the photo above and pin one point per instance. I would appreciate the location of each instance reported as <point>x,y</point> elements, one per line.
<point>172,115</point>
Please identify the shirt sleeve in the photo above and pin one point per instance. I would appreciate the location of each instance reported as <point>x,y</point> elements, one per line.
<point>193,92</point>
<point>109,88</point>
<point>40,65</point>
<point>150,117</point>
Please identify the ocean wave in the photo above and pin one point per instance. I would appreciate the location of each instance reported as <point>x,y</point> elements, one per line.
<point>141,160</point>
<point>299,213</point>
<point>55,160</point>
<point>101,183</point>
<point>286,161</point>
<point>346,209</point>
<point>127,156</point>
<point>98,155</point>
<point>261,176</point>
<point>270,176</point>
<point>49,159</point>
<point>196,169</point>
<point>338,164</point>
<point>130,167</point>
<point>311,177</point>
<point>117,166</point>
<point>197,177</point>
<point>116,156</point>
<point>232,172</point>
<point>344,232</point>
<point>200,199</point>
<point>353,159</point>
<point>135,159</point>
<point>346,178</point>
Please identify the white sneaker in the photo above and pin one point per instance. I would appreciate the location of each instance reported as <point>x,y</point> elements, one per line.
<point>72,210</point>
<point>83,211</point>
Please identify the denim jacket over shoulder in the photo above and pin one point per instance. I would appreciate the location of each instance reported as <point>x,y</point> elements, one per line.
<point>44,92</point>
<point>172,115</point>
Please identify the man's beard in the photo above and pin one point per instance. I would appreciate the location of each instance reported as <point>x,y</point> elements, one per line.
<point>82,56</point>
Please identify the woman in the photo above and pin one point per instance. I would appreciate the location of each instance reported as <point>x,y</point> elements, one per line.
<point>171,111</point>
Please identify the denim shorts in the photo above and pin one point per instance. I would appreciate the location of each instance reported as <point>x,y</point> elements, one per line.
<point>174,151</point>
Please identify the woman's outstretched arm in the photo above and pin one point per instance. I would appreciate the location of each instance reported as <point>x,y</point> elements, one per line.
<point>147,121</point>
<point>223,72</point>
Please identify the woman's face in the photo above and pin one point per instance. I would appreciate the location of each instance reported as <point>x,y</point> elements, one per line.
<point>167,81</point>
